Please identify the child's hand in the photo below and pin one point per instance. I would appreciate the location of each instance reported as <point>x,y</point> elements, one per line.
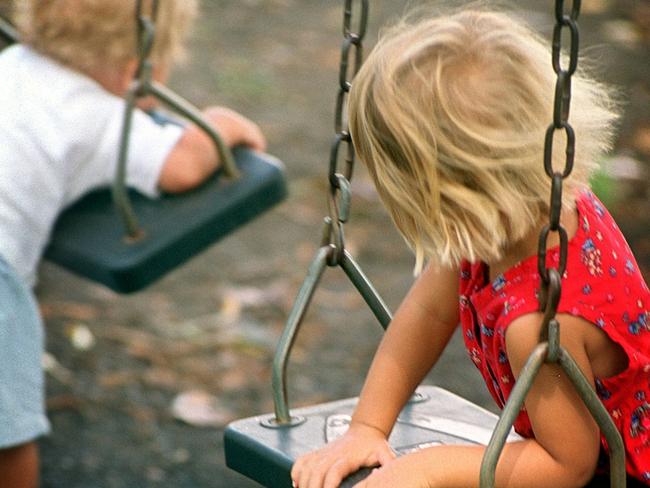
<point>362,445</point>
<point>404,471</point>
<point>194,157</point>
<point>235,129</point>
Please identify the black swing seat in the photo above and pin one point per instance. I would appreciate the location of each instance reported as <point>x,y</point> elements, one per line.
<point>264,452</point>
<point>89,237</point>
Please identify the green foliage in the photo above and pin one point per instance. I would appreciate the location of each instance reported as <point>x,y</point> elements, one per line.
<point>242,81</point>
<point>605,187</point>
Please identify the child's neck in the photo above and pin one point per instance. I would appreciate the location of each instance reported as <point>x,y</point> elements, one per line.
<point>115,81</point>
<point>528,246</point>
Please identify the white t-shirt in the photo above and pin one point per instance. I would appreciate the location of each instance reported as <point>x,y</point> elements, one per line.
<point>59,138</point>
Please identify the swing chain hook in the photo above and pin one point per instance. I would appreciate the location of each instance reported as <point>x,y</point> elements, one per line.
<point>550,331</point>
<point>339,195</point>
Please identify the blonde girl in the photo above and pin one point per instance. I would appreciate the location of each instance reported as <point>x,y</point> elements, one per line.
<point>449,115</point>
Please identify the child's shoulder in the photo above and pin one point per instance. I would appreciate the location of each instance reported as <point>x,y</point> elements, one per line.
<point>23,65</point>
<point>21,55</point>
<point>599,238</point>
<point>36,87</point>
<point>588,204</point>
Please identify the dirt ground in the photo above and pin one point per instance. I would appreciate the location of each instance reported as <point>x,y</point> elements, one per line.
<point>212,325</point>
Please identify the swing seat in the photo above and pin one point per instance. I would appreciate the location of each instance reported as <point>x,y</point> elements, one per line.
<point>265,452</point>
<point>89,237</point>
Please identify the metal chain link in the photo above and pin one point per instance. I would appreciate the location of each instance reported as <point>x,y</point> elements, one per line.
<point>339,179</point>
<point>561,109</point>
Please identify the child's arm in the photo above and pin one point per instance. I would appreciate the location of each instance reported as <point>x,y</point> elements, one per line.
<point>194,157</point>
<point>413,342</point>
<point>565,451</point>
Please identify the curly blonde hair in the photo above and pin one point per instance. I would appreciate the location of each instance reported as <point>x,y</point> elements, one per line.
<point>91,35</point>
<point>449,114</point>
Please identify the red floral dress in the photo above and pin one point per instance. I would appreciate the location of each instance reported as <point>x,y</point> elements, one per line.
<point>603,285</point>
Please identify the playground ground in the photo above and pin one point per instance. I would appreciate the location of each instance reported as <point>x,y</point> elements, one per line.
<point>118,363</point>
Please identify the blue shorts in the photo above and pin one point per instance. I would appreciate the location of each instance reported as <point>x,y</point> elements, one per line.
<point>22,392</point>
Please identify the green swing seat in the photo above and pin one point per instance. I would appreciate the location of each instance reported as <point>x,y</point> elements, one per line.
<point>89,239</point>
<point>265,452</point>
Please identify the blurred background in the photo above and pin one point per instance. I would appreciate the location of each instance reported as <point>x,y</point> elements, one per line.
<point>141,386</point>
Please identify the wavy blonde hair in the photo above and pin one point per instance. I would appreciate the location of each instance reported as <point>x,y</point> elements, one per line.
<point>91,35</point>
<point>449,114</point>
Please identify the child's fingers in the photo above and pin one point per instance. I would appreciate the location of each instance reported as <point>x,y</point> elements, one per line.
<point>313,471</point>
<point>303,471</point>
<point>386,455</point>
<point>296,470</point>
<point>337,471</point>
<point>314,476</point>
<point>236,129</point>
<point>254,137</point>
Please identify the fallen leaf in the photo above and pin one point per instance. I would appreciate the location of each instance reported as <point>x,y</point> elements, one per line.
<point>622,32</point>
<point>161,377</point>
<point>231,307</point>
<point>69,310</point>
<point>156,474</point>
<point>249,296</point>
<point>80,336</point>
<point>621,166</point>
<point>199,408</point>
<point>180,456</point>
<point>52,367</point>
<point>63,402</point>
<point>641,139</point>
<point>595,7</point>
<point>116,378</point>
<point>234,379</point>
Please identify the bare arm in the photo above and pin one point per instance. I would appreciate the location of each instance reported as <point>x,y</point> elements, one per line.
<point>194,158</point>
<point>413,342</point>
<point>564,452</point>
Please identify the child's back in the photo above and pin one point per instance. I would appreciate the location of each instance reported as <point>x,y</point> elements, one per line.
<point>59,138</point>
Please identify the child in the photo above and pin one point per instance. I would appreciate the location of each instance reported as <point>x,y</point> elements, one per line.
<point>449,115</point>
<point>60,123</point>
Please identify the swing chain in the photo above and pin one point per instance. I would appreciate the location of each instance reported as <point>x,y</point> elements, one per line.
<point>332,250</point>
<point>339,179</point>
<point>141,17</point>
<point>144,85</point>
<point>146,33</point>
<point>549,350</point>
<point>561,109</point>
